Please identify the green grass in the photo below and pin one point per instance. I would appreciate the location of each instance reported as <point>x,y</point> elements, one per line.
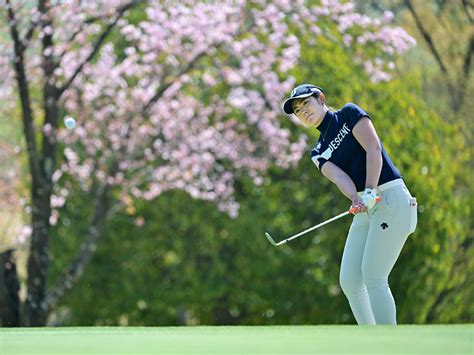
<point>424,339</point>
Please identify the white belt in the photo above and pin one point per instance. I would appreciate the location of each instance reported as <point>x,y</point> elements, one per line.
<point>386,186</point>
<point>390,184</point>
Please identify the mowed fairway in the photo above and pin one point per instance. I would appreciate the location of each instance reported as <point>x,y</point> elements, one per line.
<point>424,339</point>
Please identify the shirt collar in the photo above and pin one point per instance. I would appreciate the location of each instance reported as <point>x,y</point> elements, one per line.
<point>325,122</point>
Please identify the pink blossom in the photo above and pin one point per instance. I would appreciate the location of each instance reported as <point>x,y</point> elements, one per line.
<point>47,129</point>
<point>387,16</point>
<point>53,218</point>
<point>23,235</point>
<point>347,39</point>
<point>139,221</point>
<point>57,201</point>
<point>193,100</point>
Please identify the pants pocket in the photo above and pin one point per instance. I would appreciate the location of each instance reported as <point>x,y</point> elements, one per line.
<point>413,214</point>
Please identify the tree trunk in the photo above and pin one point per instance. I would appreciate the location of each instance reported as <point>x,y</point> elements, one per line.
<point>9,289</point>
<point>76,269</point>
<point>38,260</point>
<point>42,163</point>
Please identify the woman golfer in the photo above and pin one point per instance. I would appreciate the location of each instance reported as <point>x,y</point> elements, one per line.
<point>350,154</point>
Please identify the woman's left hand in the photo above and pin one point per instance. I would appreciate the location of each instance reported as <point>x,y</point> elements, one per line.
<point>357,205</point>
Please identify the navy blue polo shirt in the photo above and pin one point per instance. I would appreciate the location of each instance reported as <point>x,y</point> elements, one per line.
<point>338,145</point>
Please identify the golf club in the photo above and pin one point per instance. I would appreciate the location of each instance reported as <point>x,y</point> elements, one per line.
<point>272,241</point>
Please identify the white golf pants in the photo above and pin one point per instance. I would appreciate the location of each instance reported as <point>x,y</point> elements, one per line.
<point>372,247</point>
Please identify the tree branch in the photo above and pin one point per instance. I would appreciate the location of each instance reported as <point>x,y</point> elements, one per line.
<point>30,32</point>
<point>468,58</point>
<point>468,9</point>
<point>76,269</point>
<point>191,64</point>
<point>466,73</point>
<point>74,35</point>
<point>86,22</point>
<point>23,90</point>
<point>427,38</point>
<point>99,42</point>
<point>169,82</point>
<point>102,211</point>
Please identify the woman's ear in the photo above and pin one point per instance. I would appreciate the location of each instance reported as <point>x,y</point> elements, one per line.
<point>322,98</point>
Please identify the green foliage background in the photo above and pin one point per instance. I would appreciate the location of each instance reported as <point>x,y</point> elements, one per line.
<point>190,264</point>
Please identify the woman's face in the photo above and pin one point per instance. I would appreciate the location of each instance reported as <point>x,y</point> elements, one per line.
<point>309,110</point>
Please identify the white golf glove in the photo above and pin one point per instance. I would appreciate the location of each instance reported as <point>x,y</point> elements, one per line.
<point>369,198</point>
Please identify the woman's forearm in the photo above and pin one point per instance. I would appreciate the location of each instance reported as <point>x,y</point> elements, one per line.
<point>374,167</point>
<point>345,184</point>
<point>341,179</point>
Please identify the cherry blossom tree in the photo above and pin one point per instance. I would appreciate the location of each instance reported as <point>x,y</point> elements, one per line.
<point>188,97</point>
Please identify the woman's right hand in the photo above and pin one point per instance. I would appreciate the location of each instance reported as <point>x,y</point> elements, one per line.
<point>357,205</point>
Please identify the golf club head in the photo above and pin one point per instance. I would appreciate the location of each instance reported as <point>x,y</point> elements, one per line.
<point>270,239</point>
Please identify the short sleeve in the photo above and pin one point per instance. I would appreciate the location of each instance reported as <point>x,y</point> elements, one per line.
<point>318,159</point>
<point>352,113</point>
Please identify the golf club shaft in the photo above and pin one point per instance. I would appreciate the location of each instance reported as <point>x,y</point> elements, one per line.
<point>314,227</point>
<point>353,210</point>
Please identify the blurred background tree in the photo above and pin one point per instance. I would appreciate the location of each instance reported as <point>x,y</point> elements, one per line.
<point>223,271</point>
<point>444,32</point>
<point>183,96</point>
<point>178,260</point>
<point>442,64</point>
